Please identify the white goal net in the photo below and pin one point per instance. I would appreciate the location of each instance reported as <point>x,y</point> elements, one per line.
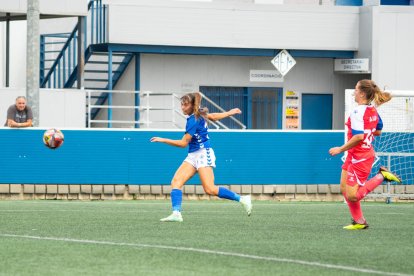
<point>395,147</point>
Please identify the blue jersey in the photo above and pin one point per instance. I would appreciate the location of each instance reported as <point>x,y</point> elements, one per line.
<point>198,129</point>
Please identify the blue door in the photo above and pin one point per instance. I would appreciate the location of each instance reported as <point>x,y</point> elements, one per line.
<point>265,108</point>
<point>227,98</point>
<point>261,106</point>
<point>316,111</point>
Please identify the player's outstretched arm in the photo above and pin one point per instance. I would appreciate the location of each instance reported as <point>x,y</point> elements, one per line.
<point>355,140</point>
<point>222,115</point>
<point>176,143</point>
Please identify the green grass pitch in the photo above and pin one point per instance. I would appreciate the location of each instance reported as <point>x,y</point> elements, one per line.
<point>216,238</point>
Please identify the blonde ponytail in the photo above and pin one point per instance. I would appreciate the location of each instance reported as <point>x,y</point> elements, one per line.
<point>373,93</point>
<point>381,97</point>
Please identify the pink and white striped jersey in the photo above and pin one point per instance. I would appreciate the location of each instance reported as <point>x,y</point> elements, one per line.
<point>364,119</point>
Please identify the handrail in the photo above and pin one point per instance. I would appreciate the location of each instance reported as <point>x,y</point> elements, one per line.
<point>57,35</point>
<point>222,110</point>
<point>144,107</point>
<point>60,55</point>
<point>216,124</point>
<point>109,107</point>
<point>71,39</point>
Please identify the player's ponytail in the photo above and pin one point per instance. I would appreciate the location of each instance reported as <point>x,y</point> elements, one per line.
<point>373,93</point>
<point>198,110</point>
<point>381,97</point>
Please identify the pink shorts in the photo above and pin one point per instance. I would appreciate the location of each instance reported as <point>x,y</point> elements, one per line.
<point>358,166</point>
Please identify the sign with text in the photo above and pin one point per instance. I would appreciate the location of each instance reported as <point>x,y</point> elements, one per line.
<point>354,65</point>
<point>292,110</point>
<point>283,62</point>
<point>265,76</point>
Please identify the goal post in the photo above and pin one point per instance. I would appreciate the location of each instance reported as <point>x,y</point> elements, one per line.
<point>395,147</point>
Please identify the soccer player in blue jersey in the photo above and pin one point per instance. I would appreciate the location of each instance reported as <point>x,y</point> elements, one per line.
<point>200,156</point>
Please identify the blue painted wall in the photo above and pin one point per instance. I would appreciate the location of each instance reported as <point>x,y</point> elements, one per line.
<point>396,2</point>
<point>382,2</point>
<point>349,2</point>
<point>313,116</point>
<point>127,157</point>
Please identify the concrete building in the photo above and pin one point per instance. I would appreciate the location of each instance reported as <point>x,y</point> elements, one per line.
<point>224,49</point>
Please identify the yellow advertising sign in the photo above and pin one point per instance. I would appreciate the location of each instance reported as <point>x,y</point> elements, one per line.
<point>292,110</point>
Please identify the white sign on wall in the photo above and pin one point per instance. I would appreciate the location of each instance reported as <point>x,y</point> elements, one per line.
<point>283,62</point>
<point>265,76</point>
<point>353,65</point>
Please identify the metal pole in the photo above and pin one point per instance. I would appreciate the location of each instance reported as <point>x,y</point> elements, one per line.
<point>110,88</point>
<point>388,200</point>
<point>148,109</point>
<point>89,108</point>
<point>7,48</point>
<point>32,58</point>
<point>137,87</point>
<point>81,53</point>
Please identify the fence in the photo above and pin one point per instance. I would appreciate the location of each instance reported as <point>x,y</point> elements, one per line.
<point>150,110</point>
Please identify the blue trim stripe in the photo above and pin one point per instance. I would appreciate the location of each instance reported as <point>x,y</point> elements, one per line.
<point>355,132</point>
<point>321,54</point>
<point>396,2</point>
<point>348,2</point>
<point>186,50</point>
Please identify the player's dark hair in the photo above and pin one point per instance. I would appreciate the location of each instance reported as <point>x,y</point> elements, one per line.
<point>195,100</point>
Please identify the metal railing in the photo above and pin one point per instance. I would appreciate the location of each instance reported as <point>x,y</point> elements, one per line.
<point>66,60</point>
<point>242,126</point>
<point>167,103</point>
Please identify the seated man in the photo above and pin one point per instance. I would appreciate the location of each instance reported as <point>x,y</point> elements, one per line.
<point>19,114</point>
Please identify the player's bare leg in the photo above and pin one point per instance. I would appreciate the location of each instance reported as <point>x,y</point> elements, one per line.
<point>207,180</point>
<point>181,176</point>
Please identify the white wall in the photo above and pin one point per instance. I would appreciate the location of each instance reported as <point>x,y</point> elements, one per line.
<point>62,108</point>
<point>392,47</point>
<point>365,35</point>
<point>2,54</point>
<point>303,78</point>
<point>182,74</point>
<point>18,38</point>
<point>51,7</point>
<point>216,24</point>
<point>17,57</point>
<point>57,108</point>
<point>18,32</point>
<point>17,63</point>
<point>126,82</point>
<point>57,25</point>
<point>186,73</point>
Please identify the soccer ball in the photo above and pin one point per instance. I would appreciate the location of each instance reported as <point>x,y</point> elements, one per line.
<point>53,138</point>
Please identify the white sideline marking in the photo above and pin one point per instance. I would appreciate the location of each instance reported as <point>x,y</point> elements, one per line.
<point>207,251</point>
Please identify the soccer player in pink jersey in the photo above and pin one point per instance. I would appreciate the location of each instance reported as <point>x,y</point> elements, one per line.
<point>363,124</point>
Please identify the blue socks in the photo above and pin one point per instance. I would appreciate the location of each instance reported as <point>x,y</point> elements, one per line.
<point>227,194</point>
<point>176,199</point>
